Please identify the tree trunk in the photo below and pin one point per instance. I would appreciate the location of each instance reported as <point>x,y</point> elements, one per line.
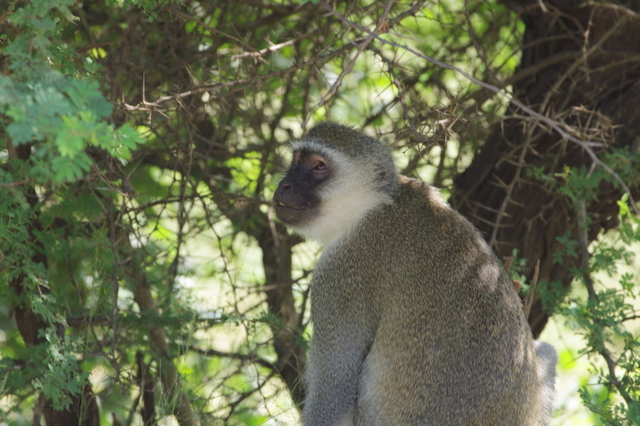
<point>83,410</point>
<point>278,288</point>
<point>580,67</point>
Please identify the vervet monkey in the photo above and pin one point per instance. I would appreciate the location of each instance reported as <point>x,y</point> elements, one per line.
<point>415,321</point>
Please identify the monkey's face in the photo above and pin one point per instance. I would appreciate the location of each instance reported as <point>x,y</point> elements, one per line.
<point>296,199</point>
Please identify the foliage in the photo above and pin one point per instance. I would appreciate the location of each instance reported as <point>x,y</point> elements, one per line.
<point>141,142</point>
<point>603,316</point>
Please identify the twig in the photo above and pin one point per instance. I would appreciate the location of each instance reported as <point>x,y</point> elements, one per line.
<point>212,88</point>
<point>507,267</point>
<point>528,303</point>
<point>274,47</point>
<point>583,239</point>
<point>581,59</point>
<point>252,358</point>
<point>509,190</point>
<point>14,183</point>
<point>507,263</point>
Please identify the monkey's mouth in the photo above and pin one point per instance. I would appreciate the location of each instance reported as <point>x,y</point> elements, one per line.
<point>282,205</point>
<point>295,214</point>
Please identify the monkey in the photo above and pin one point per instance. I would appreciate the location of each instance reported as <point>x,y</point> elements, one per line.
<point>415,321</point>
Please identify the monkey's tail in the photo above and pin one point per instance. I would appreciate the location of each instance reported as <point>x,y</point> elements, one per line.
<point>547,360</point>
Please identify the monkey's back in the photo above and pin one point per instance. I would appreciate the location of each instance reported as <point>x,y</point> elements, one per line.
<point>443,289</point>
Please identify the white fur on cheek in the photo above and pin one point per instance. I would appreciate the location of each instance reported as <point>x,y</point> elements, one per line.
<point>340,213</point>
<point>342,207</point>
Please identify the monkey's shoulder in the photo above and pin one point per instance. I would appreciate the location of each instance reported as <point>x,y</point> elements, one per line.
<point>416,223</point>
<point>421,208</point>
<point>416,193</point>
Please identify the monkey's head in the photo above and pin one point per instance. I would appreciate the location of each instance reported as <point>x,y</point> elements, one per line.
<point>336,177</point>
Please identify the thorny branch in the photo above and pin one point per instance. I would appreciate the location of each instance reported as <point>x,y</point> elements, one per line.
<point>586,145</point>
<point>361,46</point>
<point>600,341</point>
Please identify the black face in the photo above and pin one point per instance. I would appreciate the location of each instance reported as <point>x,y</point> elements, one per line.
<point>296,198</point>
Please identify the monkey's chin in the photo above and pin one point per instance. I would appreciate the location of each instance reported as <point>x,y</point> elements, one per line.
<point>292,216</point>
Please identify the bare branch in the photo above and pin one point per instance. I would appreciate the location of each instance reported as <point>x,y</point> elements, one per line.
<point>587,146</point>
<point>382,26</point>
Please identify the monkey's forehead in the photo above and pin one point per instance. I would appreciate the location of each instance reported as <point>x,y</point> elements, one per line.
<point>364,148</point>
<point>344,140</point>
<point>336,154</point>
<point>329,130</point>
<point>306,146</point>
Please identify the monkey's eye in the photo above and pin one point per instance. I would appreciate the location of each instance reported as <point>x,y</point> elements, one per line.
<point>320,167</point>
<point>319,170</point>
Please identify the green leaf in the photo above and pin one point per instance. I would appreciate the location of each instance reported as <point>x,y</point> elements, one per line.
<point>67,169</point>
<point>85,95</point>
